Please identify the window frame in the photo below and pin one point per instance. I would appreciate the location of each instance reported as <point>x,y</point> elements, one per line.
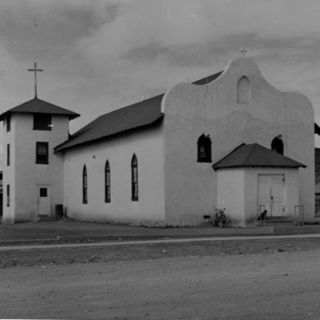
<point>8,195</point>
<point>204,142</point>
<point>8,123</point>
<point>42,122</point>
<point>39,156</point>
<point>277,145</point>
<point>107,183</point>
<point>134,178</point>
<point>8,154</point>
<point>84,185</point>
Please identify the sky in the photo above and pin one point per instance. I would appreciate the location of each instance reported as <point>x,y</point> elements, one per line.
<point>100,55</point>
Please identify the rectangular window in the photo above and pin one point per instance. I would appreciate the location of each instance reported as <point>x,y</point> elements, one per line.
<point>42,121</point>
<point>8,195</point>
<point>43,192</point>
<point>8,155</point>
<point>8,123</point>
<point>42,152</point>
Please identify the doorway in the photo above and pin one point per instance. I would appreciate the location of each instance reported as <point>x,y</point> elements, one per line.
<point>43,200</point>
<point>271,194</point>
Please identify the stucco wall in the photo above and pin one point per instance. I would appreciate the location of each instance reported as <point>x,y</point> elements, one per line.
<point>291,191</point>
<point>27,174</point>
<point>148,146</point>
<point>231,194</point>
<point>8,215</point>
<point>190,110</point>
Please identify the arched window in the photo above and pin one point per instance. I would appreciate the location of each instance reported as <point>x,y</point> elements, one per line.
<point>204,148</point>
<point>277,144</point>
<point>134,179</point>
<point>84,185</point>
<point>243,90</point>
<point>107,185</point>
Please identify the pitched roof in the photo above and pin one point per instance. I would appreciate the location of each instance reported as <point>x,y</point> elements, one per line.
<point>137,115</point>
<point>255,155</point>
<point>40,106</point>
<point>134,116</point>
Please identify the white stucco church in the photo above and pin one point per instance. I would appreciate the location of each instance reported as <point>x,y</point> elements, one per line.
<point>230,140</point>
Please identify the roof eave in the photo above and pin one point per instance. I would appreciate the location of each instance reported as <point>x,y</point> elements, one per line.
<point>259,166</point>
<point>61,148</point>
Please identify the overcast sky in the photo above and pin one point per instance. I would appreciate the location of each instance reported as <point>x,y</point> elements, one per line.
<point>99,55</point>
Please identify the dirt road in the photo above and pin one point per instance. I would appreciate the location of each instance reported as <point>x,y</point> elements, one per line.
<point>282,285</point>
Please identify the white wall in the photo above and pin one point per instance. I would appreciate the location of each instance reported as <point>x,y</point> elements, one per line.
<point>291,190</point>
<point>24,174</point>
<point>8,214</point>
<point>190,110</point>
<point>149,148</point>
<point>238,192</point>
<point>231,194</point>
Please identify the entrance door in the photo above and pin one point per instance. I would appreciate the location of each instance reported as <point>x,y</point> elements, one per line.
<point>271,194</point>
<point>43,200</point>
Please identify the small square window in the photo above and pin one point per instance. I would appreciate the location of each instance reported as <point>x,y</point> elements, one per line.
<point>43,192</point>
<point>42,121</point>
<point>42,152</point>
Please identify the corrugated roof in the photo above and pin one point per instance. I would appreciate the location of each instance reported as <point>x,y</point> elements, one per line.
<point>255,155</point>
<point>40,106</point>
<point>134,116</point>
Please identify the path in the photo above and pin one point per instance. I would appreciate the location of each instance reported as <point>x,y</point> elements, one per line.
<point>164,241</point>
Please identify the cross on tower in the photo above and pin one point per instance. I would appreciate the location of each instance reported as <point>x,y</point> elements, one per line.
<point>244,51</point>
<point>35,70</point>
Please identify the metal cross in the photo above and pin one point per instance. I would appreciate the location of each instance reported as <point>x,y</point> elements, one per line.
<point>243,51</point>
<point>35,70</point>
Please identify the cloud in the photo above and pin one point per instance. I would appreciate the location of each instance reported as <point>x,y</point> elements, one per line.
<point>99,55</point>
<point>49,28</point>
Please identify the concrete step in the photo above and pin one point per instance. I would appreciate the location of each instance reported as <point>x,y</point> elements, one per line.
<point>46,219</point>
<point>277,220</point>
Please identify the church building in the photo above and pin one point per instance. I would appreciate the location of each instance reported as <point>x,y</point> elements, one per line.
<point>230,140</point>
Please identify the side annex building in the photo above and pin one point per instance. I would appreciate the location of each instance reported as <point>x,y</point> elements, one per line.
<point>229,140</point>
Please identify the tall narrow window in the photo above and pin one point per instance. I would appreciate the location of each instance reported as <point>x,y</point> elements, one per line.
<point>243,90</point>
<point>42,152</point>
<point>134,179</point>
<point>84,185</point>
<point>277,144</point>
<point>107,185</point>
<point>204,148</point>
<point>8,195</point>
<point>8,122</point>
<point>8,155</point>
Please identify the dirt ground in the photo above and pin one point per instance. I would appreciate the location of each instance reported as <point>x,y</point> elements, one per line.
<point>261,279</point>
<point>283,285</point>
<point>62,256</point>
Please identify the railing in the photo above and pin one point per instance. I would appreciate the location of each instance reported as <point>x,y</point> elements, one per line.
<point>261,215</point>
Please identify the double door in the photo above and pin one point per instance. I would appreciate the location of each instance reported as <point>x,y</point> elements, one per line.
<point>271,195</point>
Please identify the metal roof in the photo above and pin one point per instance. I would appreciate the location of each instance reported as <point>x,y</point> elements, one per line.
<point>255,155</point>
<point>137,115</point>
<point>40,106</point>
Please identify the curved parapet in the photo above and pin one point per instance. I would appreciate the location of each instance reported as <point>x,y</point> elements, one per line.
<point>240,83</point>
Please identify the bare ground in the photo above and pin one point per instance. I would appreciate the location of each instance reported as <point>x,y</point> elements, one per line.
<point>62,256</point>
<point>274,284</point>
